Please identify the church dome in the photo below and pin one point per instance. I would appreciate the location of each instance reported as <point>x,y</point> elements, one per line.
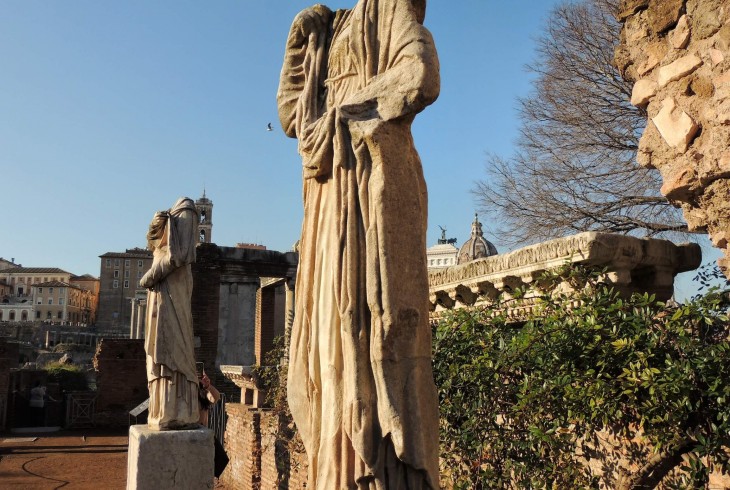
<point>476,246</point>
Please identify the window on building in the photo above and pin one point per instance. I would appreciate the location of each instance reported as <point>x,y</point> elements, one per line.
<point>20,291</point>
<point>139,274</point>
<point>1,315</point>
<point>126,273</point>
<point>139,263</point>
<point>60,301</point>
<point>59,315</point>
<point>108,263</point>
<point>50,290</point>
<point>116,274</point>
<point>116,262</point>
<point>40,290</point>
<point>24,315</point>
<point>39,302</point>
<point>126,284</point>
<point>48,315</point>
<point>38,315</point>
<point>115,284</point>
<point>11,317</point>
<point>50,301</point>
<point>126,263</point>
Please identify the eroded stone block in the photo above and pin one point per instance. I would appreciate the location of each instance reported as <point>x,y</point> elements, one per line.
<point>167,460</point>
<point>680,35</point>
<point>675,126</point>
<point>678,69</point>
<point>643,90</point>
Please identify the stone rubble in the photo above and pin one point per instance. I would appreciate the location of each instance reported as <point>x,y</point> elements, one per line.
<point>676,52</point>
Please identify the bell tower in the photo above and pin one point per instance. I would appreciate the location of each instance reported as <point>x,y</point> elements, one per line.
<point>205,217</point>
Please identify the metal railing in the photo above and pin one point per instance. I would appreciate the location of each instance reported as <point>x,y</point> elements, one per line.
<point>80,406</point>
<point>217,418</point>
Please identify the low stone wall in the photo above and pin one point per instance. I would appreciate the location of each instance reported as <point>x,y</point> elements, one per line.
<point>633,265</point>
<point>121,380</point>
<point>257,460</point>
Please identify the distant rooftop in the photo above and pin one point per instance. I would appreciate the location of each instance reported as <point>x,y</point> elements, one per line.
<point>34,270</point>
<point>130,253</point>
<point>54,284</point>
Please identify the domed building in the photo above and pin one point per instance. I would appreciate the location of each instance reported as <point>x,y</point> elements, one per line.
<point>476,246</point>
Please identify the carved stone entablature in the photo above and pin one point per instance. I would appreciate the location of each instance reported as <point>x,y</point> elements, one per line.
<point>245,378</point>
<point>632,265</point>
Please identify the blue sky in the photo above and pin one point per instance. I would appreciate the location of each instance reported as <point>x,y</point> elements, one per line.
<point>111,110</point>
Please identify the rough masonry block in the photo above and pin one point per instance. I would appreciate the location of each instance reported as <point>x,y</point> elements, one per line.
<point>167,460</point>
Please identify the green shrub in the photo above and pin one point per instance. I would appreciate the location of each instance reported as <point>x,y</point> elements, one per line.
<point>518,401</point>
<point>68,376</point>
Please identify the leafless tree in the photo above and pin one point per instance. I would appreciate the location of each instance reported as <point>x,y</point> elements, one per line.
<point>574,167</point>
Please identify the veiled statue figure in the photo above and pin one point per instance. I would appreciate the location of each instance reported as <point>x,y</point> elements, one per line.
<point>171,374</point>
<point>360,384</point>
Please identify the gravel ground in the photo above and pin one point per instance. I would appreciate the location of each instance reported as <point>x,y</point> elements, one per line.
<point>79,459</point>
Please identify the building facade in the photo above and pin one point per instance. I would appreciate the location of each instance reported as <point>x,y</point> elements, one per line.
<point>62,302</point>
<point>47,294</point>
<point>118,286</point>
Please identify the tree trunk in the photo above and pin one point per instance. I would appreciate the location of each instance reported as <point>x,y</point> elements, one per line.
<point>657,467</point>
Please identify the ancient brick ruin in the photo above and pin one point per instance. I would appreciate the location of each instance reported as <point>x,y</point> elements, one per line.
<point>678,53</point>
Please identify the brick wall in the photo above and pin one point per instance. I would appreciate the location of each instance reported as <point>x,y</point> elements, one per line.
<point>243,446</point>
<point>281,468</point>
<point>257,460</point>
<point>206,296</point>
<point>121,380</point>
<point>9,355</point>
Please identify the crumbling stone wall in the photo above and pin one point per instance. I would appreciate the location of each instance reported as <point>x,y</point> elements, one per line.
<point>257,461</point>
<point>121,380</point>
<point>678,54</point>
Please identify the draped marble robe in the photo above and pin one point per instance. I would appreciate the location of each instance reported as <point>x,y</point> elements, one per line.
<point>360,384</point>
<point>171,375</point>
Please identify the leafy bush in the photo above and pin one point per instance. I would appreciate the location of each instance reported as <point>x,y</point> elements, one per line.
<point>520,402</point>
<point>68,376</point>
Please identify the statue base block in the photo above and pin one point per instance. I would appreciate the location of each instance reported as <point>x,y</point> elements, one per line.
<point>175,459</point>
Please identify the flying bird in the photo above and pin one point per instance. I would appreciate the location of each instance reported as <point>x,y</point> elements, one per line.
<point>269,128</point>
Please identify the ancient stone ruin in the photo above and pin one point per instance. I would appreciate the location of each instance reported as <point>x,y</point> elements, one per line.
<point>678,52</point>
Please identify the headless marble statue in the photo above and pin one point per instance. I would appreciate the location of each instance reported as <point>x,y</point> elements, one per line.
<point>171,374</point>
<point>360,384</point>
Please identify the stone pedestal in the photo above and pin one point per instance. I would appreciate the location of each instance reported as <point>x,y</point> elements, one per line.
<point>167,460</point>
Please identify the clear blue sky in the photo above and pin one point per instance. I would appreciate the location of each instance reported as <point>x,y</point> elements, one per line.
<point>110,110</point>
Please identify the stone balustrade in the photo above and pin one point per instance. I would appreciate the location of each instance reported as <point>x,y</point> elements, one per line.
<point>631,265</point>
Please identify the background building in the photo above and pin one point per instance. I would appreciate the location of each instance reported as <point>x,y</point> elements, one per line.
<point>205,216</point>
<point>476,246</point>
<point>118,284</point>
<point>47,294</point>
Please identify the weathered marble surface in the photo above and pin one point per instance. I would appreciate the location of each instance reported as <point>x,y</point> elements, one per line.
<point>678,53</point>
<point>171,374</point>
<point>360,383</point>
<point>171,460</point>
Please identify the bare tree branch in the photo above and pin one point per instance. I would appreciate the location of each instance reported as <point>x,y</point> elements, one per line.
<point>574,167</point>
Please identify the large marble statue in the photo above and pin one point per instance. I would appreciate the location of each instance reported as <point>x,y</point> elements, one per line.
<point>171,374</point>
<point>360,384</point>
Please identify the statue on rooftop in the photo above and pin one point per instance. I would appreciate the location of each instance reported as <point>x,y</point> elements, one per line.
<point>360,383</point>
<point>171,375</point>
